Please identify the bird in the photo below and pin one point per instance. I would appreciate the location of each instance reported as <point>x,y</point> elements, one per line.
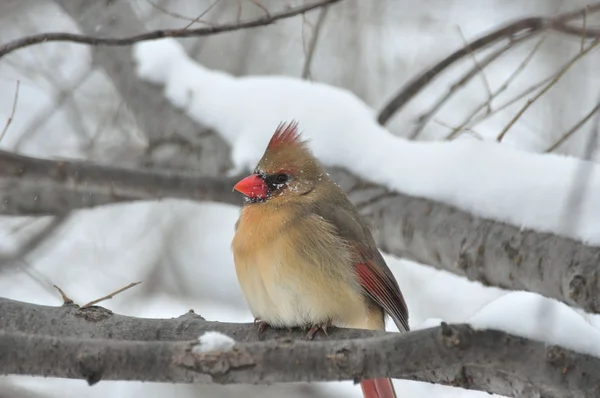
<point>304,257</point>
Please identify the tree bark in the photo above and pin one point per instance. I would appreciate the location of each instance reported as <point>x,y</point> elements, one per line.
<point>94,344</point>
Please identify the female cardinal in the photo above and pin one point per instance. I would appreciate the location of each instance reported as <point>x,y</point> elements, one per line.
<point>304,257</point>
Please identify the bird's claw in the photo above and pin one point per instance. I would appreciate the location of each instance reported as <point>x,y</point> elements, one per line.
<point>315,328</point>
<point>262,325</point>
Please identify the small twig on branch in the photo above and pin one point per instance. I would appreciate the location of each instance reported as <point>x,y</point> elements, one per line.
<point>465,125</point>
<point>312,45</point>
<point>158,34</point>
<point>12,112</point>
<point>257,4</point>
<point>427,116</point>
<point>530,26</point>
<point>66,299</point>
<point>573,129</point>
<point>551,84</point>
<point>484,79</point>
<point>111,295</point>
<point>191,21</point>
<point>33,243</point>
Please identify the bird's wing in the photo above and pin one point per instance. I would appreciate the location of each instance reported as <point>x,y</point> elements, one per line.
<point>375,277</point>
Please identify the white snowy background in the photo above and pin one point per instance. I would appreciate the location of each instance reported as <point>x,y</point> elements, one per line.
<point>181,250</point>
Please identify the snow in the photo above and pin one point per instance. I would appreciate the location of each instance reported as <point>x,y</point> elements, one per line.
<point>485,178</point>
<point>213,341</point>
<point>181,251</point>
<point>212,290</point>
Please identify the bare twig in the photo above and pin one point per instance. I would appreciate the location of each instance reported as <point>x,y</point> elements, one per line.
<point>12,112</point>
<point>573,129</point>
<point>584,29</point>
<point>551,84</point>
<point>527,26</point>
<point>40,119</point>
<point>306,74</point>
<point>202,14</point>
<point>111,295</point>
<point>159,34</point>
<point>486,83</point>
<point>427,116</point>
<point>36,241</point>
<point>257,4</point>
<point>501,89</point>
<point>191,21</point>
<point>66,299</point>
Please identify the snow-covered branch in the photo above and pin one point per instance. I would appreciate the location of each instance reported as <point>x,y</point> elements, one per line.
<point>433,233</point>
<point>94,344</point>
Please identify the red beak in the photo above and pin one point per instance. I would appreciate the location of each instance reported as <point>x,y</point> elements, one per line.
<point>253,187</point>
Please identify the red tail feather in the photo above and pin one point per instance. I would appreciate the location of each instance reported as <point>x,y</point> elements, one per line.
<point>378,388</point>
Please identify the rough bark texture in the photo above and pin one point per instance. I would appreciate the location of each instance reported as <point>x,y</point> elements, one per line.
<point>94,344</point>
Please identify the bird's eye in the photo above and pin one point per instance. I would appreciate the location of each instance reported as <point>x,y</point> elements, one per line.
<point>281,178</point>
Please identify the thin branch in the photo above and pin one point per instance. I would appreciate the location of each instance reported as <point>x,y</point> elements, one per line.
<point>551,84</point>
<point>191,21</point>
<point>427,116</point>
<point>111,295</point>
<point>158,34</point>
<point>486,83</point>
<point>510,31</point>
<point>34,242</point>
<point>66,299</point>
<point>40,187</point>
<point>465,124</point>
<point>257,4</point>
<point>12,112</point>
<point>202,14</point>
<point>312,46</point>
<point>456,355</point>
<point>573,129</point>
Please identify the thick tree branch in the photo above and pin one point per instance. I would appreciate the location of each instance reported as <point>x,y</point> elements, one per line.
<point>529,27</point>
<point>159,34</point>
<point>33,186</point>
<point>457,355</point>
<point>433,233</point>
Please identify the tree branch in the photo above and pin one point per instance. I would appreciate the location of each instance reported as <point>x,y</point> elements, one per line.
<point>159,34</point>
<point>430,232</point>
<point>524,27</point>
<point>457,355</point>
<point>34,186</point>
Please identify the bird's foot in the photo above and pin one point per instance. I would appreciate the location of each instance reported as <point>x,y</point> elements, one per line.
<point>262,325</point>
<point>315,328</point>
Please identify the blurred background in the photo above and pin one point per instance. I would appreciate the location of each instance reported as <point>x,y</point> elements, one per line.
<point>85,102</point>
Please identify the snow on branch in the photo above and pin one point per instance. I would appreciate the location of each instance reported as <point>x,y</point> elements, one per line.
<point>159,34</point>
<point>430,232</point>
<point>94,344</point>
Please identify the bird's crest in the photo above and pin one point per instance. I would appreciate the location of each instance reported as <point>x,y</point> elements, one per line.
<point>285,134</point>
